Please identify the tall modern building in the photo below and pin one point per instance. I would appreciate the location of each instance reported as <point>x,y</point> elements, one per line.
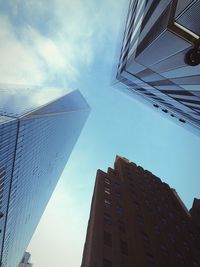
<point>160,56</point>
<point>25,262</point>
<point>138,220</point>
<point>35,144</point>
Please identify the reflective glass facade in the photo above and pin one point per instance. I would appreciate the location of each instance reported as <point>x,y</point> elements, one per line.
<point>34,148</point>
<point>157,37</point>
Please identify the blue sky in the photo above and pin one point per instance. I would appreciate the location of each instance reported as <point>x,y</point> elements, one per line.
<point>76,44</point>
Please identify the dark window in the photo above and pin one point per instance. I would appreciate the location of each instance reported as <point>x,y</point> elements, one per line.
<point>179,257</point>
<point>155,105</point>
<point>107,239</point>
<point>157,230</point>
<point>107,203</point>
<point>164,250</point>
<point>118,194</point>
<point>121,226</point>
<point>123,247</point>
<point>136,205</point>
<point>150,260</point>
<point>192,236</point>
<point>159,208</point>
<point>195,264</point>
<point>145,237</point>
<point>184,223</point>
<point>140,219</point>
<point>181,120</point>
<point>117,185</point>
<point>119,210</point>
<point>133,192</point>
<point>172,239</point>
<point>107,218</point>
<point>186,246</point>
<point>107,263</point>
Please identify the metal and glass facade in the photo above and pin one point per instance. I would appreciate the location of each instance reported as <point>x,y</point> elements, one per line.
<point>34,148</point>
<point>157,37</point>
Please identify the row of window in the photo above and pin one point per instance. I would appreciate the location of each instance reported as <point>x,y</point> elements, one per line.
<point>122,244</point>
<point>149,260</point>
<point>108,221</point>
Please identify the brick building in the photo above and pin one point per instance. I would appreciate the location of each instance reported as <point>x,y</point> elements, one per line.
<point>136,220</point>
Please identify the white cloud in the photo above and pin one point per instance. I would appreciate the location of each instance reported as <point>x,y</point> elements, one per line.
<point>18,62</point>
<point>75,31</point>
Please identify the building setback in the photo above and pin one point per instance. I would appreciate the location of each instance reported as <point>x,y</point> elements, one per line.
<point>137,220</point>
<point>156,61</point>
<point>35,144</point>
<point>25,262</point>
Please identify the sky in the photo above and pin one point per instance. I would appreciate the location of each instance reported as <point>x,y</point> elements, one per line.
<point>75,44</point>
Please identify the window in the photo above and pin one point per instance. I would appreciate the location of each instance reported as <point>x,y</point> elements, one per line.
<point>121,226</point>
<point>179,257</point>
<point>155,105</point>
<point>107,263</point>
<point>107,219</point>
<point>192,236</point>
<point>159,209</point>
<point>123,247</point>
<point>107,190</point>
<point>145,237</point>
<point>116,185</point>
<point>157,230</point>
<point>133,192</point>
<point>107,203</point>
<point>136,205</point>
<point>172,238</point>
<point>186,246</point>
<point>150,260</point>
<point>164,221</point>
<point>181,120</point>
<point>118,194</point>
<point>119,210</point>
<point>164,250</point>
<point>140,219</point>
<point>107,180</point>
<point>195,264</point>
<point>107,239</point>
<point>184,223</point>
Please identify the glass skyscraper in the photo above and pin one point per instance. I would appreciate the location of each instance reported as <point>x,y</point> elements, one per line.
<point>35,144</point>
<point>160,57</point>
